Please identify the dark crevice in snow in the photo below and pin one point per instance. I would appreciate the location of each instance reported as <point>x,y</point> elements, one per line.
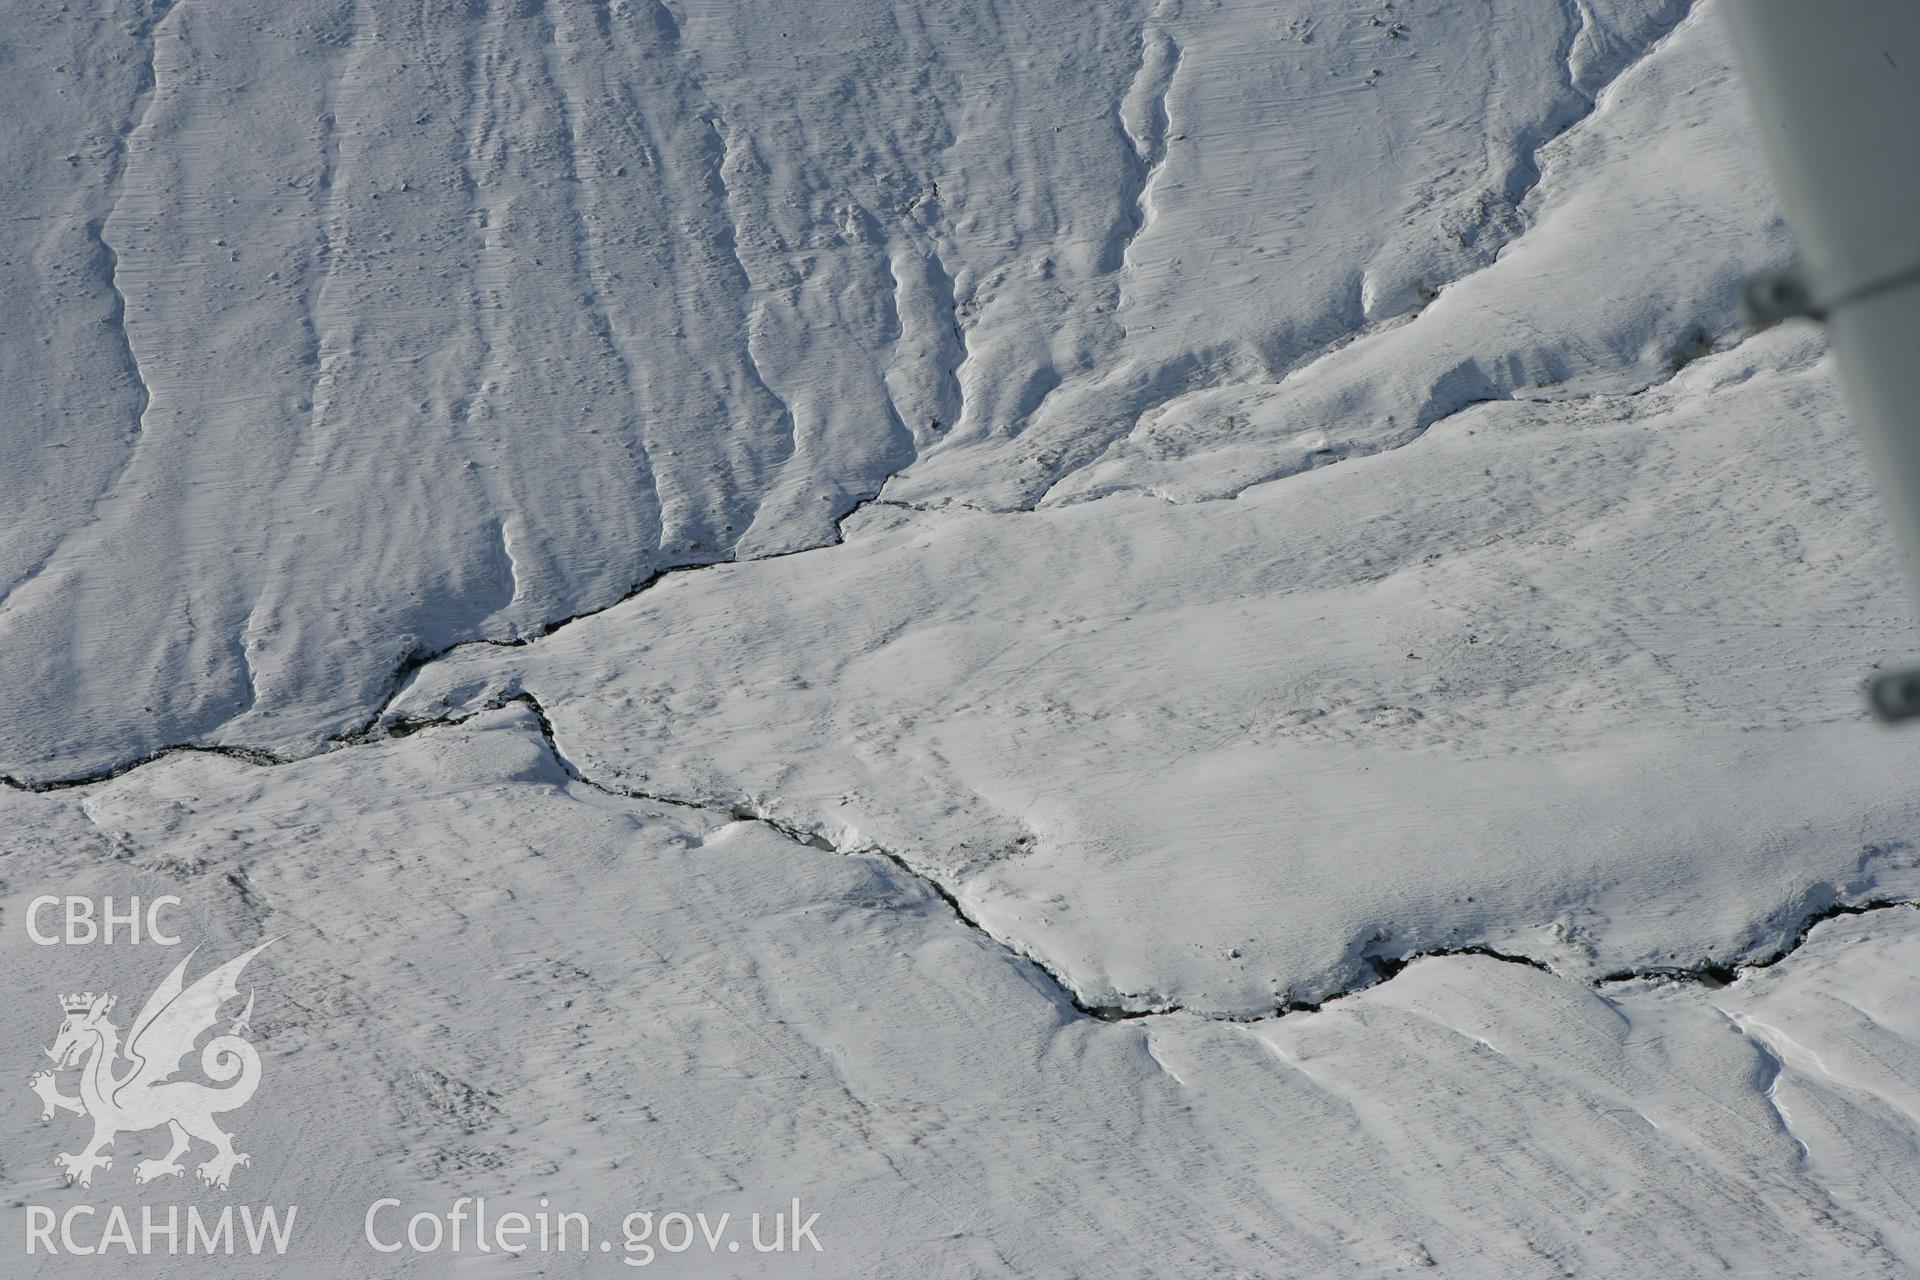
<point>1385,967</point>
<point>1052,981</point>
<point>372,729</point>
<point>1378,968</point>
<point>1718,973</point>
<point>250,755</point>
<point>418,658</point>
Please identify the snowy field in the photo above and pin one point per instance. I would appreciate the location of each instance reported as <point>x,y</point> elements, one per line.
<point>1095,639</point>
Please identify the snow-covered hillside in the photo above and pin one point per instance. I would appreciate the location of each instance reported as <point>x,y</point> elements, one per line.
<point>496,981</point>
<point>1179,637</point>
<point>349,332</point>
<point>1579,680</point>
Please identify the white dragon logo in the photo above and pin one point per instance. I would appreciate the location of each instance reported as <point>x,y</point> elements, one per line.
<point>145,1095</point>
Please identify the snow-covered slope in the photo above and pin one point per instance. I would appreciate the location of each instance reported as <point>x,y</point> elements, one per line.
<point>492,980</point>
<point>1163,638</point>
<point>1647,218</point>
<point>342,333</point>
<point>1579,679</point>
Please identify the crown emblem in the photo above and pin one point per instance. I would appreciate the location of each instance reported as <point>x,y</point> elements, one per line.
<point>78,1002</point>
